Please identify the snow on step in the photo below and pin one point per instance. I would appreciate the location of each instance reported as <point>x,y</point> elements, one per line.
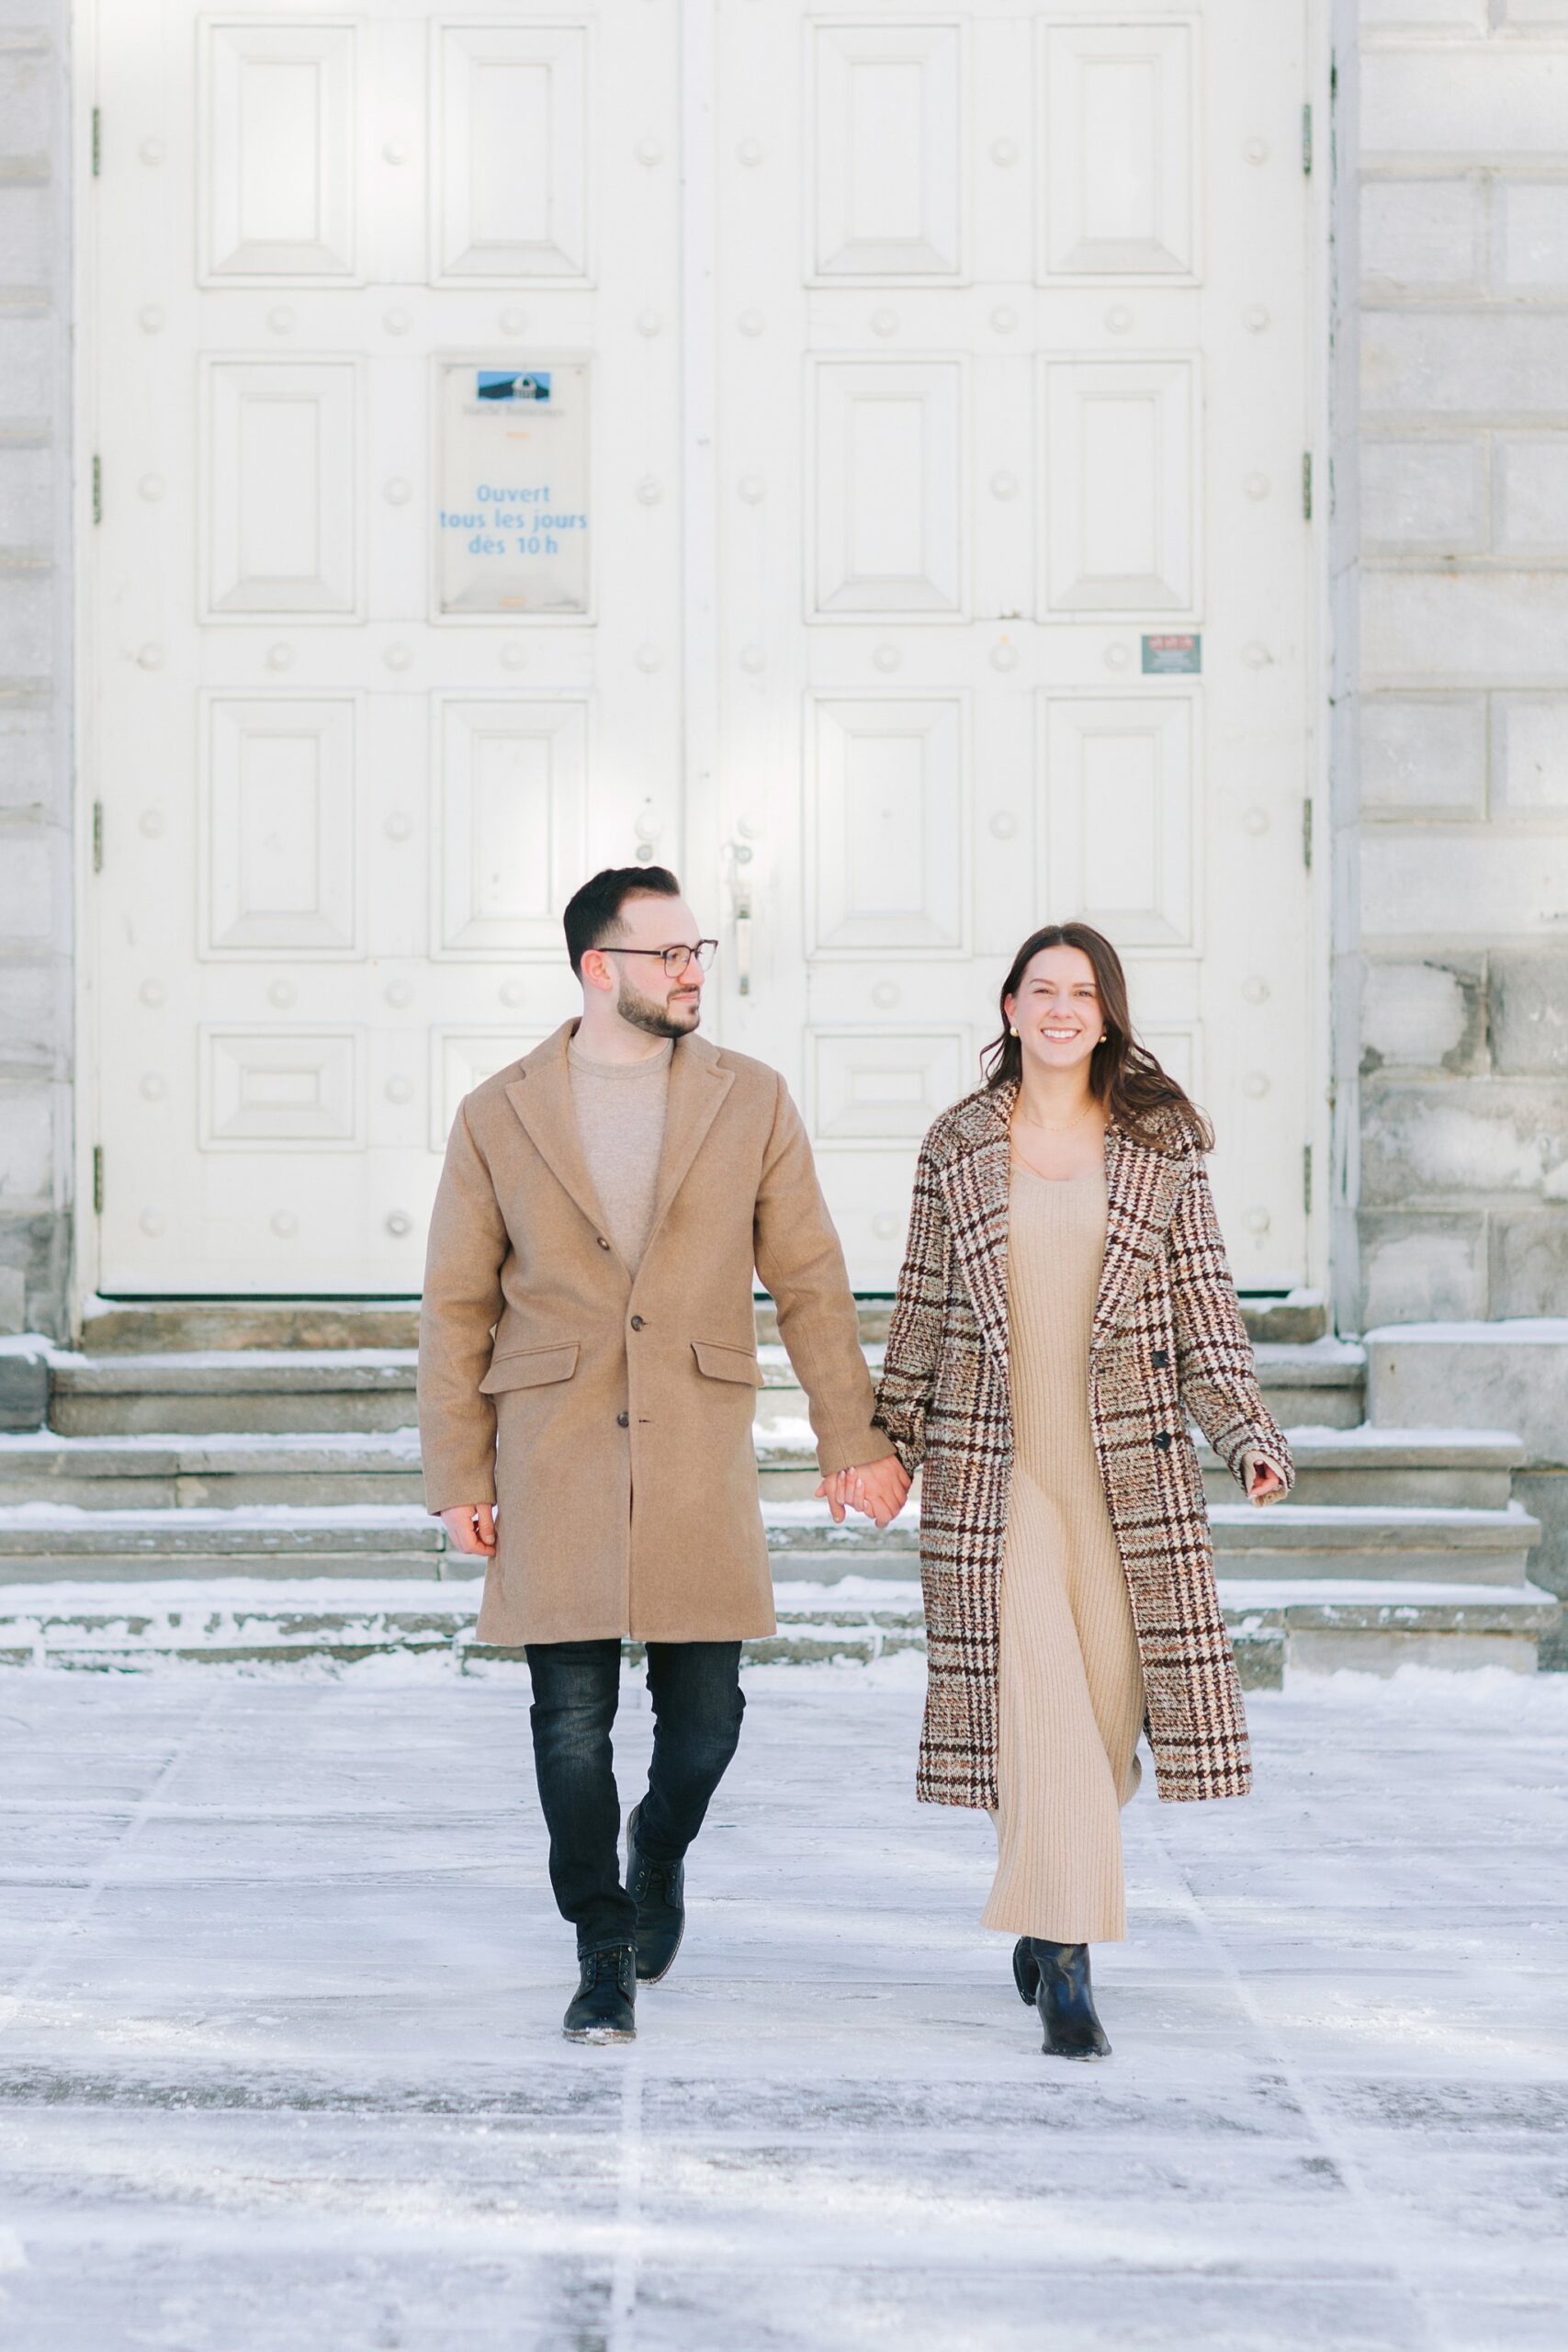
<point>255,1621</point>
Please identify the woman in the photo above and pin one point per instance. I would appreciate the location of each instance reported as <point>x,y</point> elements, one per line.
<point>1064,1303</point>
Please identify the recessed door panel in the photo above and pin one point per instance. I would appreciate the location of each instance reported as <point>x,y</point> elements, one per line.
<point>280,792</point>
<point>888,489</point>
<point>511,790</point>
<point>282,1090</point>
<point>883,1087</point>
<point>278,152</point>
<point>1121,824</point>
<point>886,826</point>
<point>1120,152</point>
<point>886,145</point>
<point>1119,461</point>
<point>509,132</point>
<point>281,462</point>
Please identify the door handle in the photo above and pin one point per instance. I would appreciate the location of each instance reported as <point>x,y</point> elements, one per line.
<point>740,892</point>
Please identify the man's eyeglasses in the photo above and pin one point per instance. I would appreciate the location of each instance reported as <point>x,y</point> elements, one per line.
<point>675,960</point>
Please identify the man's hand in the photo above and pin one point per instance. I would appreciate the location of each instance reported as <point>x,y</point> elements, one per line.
<point>880,1490</point>
<point>471,1528</point>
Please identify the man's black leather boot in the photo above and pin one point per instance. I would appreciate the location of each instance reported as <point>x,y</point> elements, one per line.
<point>1065,2000</point>
<point>659,1890</point>
<point>603,2007</point>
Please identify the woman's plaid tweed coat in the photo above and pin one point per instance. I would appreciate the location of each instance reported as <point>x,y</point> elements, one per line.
<point>1168,1341</point>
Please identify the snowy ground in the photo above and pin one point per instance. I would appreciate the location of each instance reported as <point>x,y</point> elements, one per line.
<point>280,2068</point>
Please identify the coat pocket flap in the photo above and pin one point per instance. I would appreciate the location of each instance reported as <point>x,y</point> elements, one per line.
<point>721,1361</point>
<point>530,1368</point>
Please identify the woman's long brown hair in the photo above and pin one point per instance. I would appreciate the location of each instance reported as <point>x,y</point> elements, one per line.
<point>1123,1074</point>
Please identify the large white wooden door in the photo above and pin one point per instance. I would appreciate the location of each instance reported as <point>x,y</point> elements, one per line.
<point>932,393</point>
<point>1012,322</point>
<point>347,767</point>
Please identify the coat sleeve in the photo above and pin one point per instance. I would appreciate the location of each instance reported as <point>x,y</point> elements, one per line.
<point>802,1267</point>
<point>914,1334</point>
<point>1214,1361</point>
<point>461,1307</point>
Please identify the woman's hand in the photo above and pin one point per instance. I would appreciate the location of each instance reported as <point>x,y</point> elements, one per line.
<point>1264,1484</point>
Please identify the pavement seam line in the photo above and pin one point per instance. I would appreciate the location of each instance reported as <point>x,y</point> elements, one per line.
<point>76,1918</point>
<point>625,2274</point>
<point>1384,2229</point>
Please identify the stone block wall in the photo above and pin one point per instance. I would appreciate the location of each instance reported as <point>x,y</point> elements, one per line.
<point>1462,323</point>
<point>36,869</point>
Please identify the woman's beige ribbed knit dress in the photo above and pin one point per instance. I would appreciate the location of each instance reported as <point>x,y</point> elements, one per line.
<point>1070,1688</point>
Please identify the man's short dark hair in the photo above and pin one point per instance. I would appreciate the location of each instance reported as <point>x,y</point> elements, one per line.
<point>592,914</point>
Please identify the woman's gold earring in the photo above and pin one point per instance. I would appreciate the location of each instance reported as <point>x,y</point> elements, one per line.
<point>1011,1031</point>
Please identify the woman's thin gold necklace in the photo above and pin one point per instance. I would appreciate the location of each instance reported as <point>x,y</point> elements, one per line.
<point>1061,1130</point>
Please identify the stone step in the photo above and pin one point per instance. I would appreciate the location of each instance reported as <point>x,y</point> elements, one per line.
<point>328,1391</point>
<point>1385,1543</point>
<point>176,1473</point>
<point>1468,1469</point>
<point>47,1540</point>
<point>179,1326</point>
<point>1299,1542</point>
<point>1274,1628</point>
<point>147,1470</point>
<point>217,1391</point>
<point>1320,1384</point>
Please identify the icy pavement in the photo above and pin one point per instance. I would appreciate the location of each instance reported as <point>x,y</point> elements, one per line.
<point>280,2067</point>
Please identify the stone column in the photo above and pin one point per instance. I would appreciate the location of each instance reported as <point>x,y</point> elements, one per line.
<point>36,868</point>
<point>1463,461</point>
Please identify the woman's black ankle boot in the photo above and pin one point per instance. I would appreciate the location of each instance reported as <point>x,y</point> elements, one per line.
<point>1065,2000</point>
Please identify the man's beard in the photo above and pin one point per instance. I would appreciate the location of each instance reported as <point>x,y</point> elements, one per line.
<point>645,1014</point>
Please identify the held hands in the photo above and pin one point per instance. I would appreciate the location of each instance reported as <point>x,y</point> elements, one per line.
<point>880,1490</point>
<point>470,1527</point>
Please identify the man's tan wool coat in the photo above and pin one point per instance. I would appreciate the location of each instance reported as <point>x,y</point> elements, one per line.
<point>1167,1341</point>
<point>609,1418</point>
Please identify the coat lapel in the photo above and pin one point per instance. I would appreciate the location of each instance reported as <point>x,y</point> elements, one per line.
<point>541,1096</point>
<point>1141,1186</point>
<point>976,1183</point>
<point>698,1084</point>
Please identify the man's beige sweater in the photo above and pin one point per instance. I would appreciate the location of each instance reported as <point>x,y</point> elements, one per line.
<point>620,1112</point>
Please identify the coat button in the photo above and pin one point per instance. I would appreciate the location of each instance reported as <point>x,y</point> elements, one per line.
<point>1159,1359</point>
<point>622,1420</point>
<point>1162,1439</point>
<point>601,1240</point>
<point>637,1322</point>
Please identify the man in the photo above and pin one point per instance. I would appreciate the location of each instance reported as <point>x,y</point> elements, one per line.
<point>587,1379</point>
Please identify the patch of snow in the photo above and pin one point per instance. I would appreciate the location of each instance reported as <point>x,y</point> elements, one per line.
<point>1532,1331</point>
<point>213,1518</point>
<point>1369,1435</point>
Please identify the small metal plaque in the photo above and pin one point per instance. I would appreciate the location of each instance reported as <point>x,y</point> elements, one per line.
<point>1173,657</point>
<point>512,522</point>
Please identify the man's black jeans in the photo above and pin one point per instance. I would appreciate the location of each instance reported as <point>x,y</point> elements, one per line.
<point>698,1707</point>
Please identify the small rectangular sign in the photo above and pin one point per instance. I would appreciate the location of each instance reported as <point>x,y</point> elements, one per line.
<point>511,518</point>
<point>1169,657</point>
